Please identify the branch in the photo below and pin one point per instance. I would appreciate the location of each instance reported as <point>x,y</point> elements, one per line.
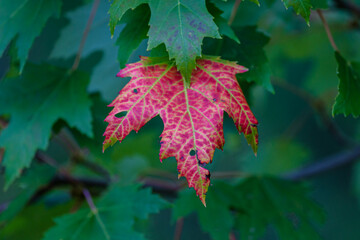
<point>325,165</point>
<point>327,29</point>
<point>85,34</point>
<point>234,12</point>
<point>178,228</point>
<point>348,6</point>
<point>320,108</point>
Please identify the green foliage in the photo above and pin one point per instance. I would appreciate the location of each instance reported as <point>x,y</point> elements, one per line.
<point>133,33</point>
<point>118,9</point>
<point>249,53</point>
<point>348,100</point>
<point>52,120</point>
<point>22,21</point>
<point>257,203</point>
<point>36,177</point>
<point>34,106</point>
<point>186,24</point>
<point>301,7</point>
<point>112,218</point>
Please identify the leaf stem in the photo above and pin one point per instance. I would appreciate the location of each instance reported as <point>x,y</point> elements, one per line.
<point>85,34</point>
<point>327,29</point>
<point>178,228</point>
<point>95,211</point>
<point>234,12</point>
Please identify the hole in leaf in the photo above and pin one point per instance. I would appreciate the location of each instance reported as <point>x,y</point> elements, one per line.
<point>135,90</point>
<point>214,99</point>
<point>208,176</point>
<point>192,152</point>
<point>120,114</point>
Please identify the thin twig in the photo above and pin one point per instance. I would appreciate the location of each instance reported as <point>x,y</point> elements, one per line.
<point>319,107</point>
<point>85,34</point>
<point>325,165</point>
<point>178,228</point>
<point>234,12</point>
<point>348,6</point>
<point>327,29</point>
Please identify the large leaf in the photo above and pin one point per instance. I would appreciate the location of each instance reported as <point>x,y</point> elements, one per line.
<point>181,25</point>
<point>113,218</point>
<point>35,106</point>
<point>301,7</point>
<point>193,116</point>
<point>348,100</point>
<point>23,21</point>
<point>118,9</point>
<point>103,79</point>
<point>252,206</point>
<point>264,201</point>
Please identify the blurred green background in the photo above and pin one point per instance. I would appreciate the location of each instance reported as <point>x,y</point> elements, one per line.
<point>296,128</point>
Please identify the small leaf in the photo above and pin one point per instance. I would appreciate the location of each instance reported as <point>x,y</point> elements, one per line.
<point>181,25</point>
<point>221,22</point>
<point>348,100</point>
<point>192,116</point>
<point>23,21</point>
<point>113,218</point>
<point>35,106</point>
<point>118,9</point>
<point>301,7</point>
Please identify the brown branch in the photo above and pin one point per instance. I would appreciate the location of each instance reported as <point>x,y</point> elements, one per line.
<point>178,228</point>
<point>348,6</point>
<point>85,34</point>
<point>327,29</point>
<point>234,12</point>
<point>325,165</point>
<point>320,108</point>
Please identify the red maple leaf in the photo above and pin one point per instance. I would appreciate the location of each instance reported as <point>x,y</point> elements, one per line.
<point>192,116</point>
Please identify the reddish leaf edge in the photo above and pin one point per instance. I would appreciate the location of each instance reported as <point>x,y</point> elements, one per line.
<point>250,133</point>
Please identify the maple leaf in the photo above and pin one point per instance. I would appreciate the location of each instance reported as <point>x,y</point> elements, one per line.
<point>192,116</point>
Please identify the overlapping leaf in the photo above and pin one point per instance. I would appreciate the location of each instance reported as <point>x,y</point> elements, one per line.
<point>301,7</point>
<point>34,106</point>
<point>181,25</point>
<point>192,117</point>
<point>348,100</point>
<point>23,21</point>
<point>118,9</point>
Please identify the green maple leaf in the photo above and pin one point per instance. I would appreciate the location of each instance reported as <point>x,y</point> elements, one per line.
<point>216,219</point>
<point>22,21</point>
<point>113,218</point>
<point>35,101</point>
<point>181,25</point>
<point>251,206</point>
<point>348,100</point>
<point>301,7</point>
<point>264,201</point>
<point>118,9</point>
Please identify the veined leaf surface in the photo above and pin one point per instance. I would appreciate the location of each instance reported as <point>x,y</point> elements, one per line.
<point>193,117</point>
